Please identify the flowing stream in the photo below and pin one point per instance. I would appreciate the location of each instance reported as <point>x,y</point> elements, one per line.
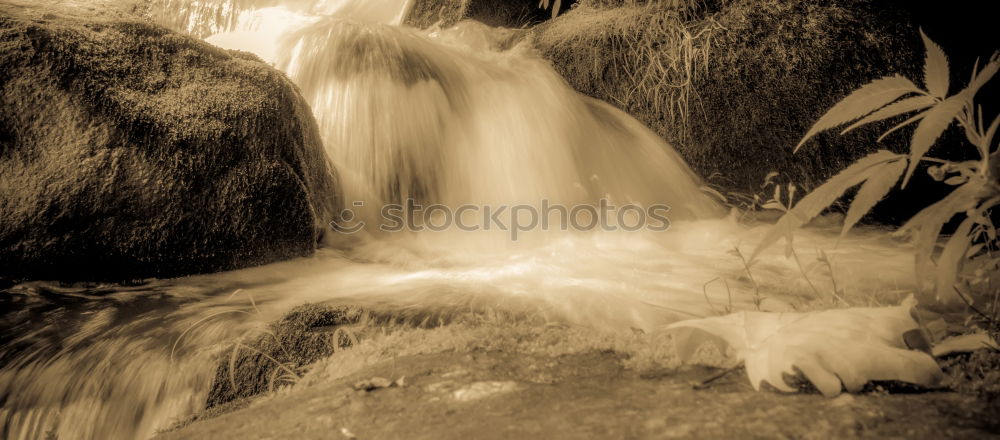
<point>452,117</point>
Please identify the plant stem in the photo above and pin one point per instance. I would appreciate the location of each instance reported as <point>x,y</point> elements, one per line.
<point>756,288</point>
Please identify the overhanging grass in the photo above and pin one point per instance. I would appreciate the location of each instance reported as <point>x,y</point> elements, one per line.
<point>259,364</point>
<point>642,58</point>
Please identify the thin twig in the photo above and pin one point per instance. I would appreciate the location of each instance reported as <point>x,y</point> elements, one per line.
<point>973,307</point>
<point>704,383</point>
<point>803,271</point>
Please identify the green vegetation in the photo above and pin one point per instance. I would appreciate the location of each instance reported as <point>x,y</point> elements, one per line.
<point>957,272</point>
<point>976,186</point>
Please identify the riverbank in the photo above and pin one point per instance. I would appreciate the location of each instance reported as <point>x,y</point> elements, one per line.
<point>510,379</point>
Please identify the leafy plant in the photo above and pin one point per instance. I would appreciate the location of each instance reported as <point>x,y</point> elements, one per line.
<point>976,188</point>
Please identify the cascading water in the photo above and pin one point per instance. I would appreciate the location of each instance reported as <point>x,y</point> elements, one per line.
<point>443,117</point>
<point>408,117</point>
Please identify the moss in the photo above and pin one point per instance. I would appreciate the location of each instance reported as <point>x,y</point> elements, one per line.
<point>131,151</point>
<point>306,334</point>
<point>735,85</point>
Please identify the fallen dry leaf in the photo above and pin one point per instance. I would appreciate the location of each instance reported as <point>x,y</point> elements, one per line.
<point>833,349</point>
<point>965,344</point>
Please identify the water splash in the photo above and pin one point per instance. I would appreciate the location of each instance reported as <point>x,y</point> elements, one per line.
<point>101,368</point>
<point>428,117</point>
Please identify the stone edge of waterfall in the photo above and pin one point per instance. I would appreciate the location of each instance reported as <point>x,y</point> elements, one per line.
<point>130,151</point>
<point>486,377</point>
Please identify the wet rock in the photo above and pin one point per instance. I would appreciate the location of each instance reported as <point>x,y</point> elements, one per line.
<point>130,151</point>
<point>734,85</point>
<point>595,401</point>
<point>276,356</point>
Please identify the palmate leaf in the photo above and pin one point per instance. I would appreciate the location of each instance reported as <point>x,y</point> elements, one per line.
<point>895,109</point>
<point>556,4</point>
<point>872,191</point>
<point>834,349</point>
<point>935,68</point>
<point>931,127</point>
<point>927,224</point>
<point>950,262</point>
<point>908,121</point>
<point>861,102</point>
<point>981,77</point>
<point>816,201</point>
<point>994,158</point>
<point>965,344</point>
<point>991,131</point>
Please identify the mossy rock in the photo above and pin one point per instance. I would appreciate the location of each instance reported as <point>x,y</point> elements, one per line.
<point>306,334</point>
<point>130,151</point>
<point>736,84</point>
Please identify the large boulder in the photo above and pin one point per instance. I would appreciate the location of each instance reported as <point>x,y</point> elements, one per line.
<point>130,151</point>
<point>735,84</point>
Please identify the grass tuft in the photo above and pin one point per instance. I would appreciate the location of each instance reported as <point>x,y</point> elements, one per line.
<point>641,57</point>
<point>278,354</point>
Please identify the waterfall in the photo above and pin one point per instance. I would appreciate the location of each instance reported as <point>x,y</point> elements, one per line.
<point>407,115</point>
<point>447,117</point>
